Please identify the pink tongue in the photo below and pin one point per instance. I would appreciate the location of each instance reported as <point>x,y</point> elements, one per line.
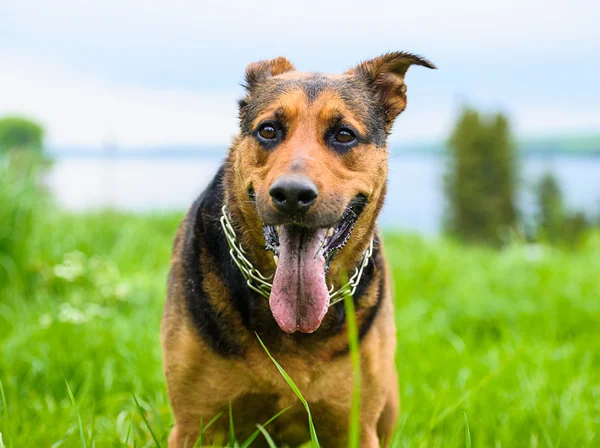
<point>299,298</point>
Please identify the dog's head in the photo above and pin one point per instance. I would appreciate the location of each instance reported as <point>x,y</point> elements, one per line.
<point>310,163</point>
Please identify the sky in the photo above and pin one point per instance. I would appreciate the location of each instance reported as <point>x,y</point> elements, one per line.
<point>147,73</point>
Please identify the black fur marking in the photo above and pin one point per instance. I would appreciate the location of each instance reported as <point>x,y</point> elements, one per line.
<point>358,95</point>
<point>204,230</point>
<point>314,86</point>
<point>367,279</point>
<point>252,105</point>
<point>368,273</point>
<point>365,283</point>
<point>368,321</point>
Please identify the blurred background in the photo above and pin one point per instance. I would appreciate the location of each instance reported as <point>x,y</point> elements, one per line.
<point>114,115</point>
<point>138,100</point>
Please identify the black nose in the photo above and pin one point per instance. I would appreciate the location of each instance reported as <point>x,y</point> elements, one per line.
<point>293,194</point>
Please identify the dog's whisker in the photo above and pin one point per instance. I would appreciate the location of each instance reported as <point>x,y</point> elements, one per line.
<point>396,155</point>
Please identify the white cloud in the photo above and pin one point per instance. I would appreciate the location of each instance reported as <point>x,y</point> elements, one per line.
<point>466,24</point>
<point>538,120</point>
<point>82,110</point>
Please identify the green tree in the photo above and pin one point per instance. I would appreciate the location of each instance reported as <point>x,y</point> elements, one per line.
<point>20,133</point>
<point>22,197</point>
<point>551,212</point>
<point>480,179</point>
<point>555,224</point>
<point>575,230</point>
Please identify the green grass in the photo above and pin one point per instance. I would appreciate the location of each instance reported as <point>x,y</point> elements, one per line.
<point>494,348</point>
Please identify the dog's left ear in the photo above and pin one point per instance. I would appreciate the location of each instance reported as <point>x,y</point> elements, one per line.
<point>258,72</point>
<point>385,75</point>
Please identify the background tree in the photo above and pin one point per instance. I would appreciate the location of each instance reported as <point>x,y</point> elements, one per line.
<point>23,200</point>
<point>555,224</point>
<point>550,214</point>
<point>575,230</point>
<point>20,133</point>
<point>480,179</point>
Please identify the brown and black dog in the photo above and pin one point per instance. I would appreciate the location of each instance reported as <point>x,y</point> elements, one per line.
<point>305,178</point>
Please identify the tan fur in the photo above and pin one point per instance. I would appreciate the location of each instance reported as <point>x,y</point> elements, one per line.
<point>201,384</point>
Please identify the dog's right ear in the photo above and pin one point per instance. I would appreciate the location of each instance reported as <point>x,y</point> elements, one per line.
<point>258,72</point>
<point>385,76</point>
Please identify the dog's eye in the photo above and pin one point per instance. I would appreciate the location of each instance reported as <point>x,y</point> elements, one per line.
<point>267,132</point>
<point>345,136</point>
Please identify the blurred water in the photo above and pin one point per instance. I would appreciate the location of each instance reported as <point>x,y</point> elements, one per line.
<point>415,199</point>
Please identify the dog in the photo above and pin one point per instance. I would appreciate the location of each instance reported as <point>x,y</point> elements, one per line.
<point>284,231</point>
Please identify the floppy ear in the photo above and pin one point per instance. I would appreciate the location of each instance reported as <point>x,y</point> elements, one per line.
<point>385,75</point>
<point>258,72</point>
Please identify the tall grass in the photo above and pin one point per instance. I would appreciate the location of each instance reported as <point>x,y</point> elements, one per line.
<point>22,204</point>
<point>79,422</point>
<point>508,339</point>
<point>7,428</point>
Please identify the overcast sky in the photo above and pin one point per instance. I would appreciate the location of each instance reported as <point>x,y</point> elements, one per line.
<point>146,73</point>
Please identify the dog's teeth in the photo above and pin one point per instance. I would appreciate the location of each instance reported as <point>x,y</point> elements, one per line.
<point>330,232</point>
<point>276,260</point>
<point>278,228</point>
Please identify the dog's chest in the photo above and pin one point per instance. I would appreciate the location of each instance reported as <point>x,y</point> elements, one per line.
<point>316,378</point>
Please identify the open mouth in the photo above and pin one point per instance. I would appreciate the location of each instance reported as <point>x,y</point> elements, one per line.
<point>335,238</point>
<point>300,297</point>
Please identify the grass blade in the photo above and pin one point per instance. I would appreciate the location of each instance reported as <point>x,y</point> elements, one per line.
<point>8,430</point>
<point>79,422</point>
<point>255,434</point>
<point>286,377</point>
<point>354,348</point>
<point>267,436</point>
<point>129,431</point>
<point>203,429</point>
<point>232,442</point>
<point>146,421</point>
<point>212,420</point>
<point>199,439</point>
<point>467,432</point>
<point>64,438</point>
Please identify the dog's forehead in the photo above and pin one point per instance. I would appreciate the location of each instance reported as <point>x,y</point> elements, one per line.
<point>308,87</point>
<point>310,75</point>
<point>315,83</point>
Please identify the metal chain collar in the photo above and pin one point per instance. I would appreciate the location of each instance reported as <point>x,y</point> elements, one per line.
<point>263,285</point>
